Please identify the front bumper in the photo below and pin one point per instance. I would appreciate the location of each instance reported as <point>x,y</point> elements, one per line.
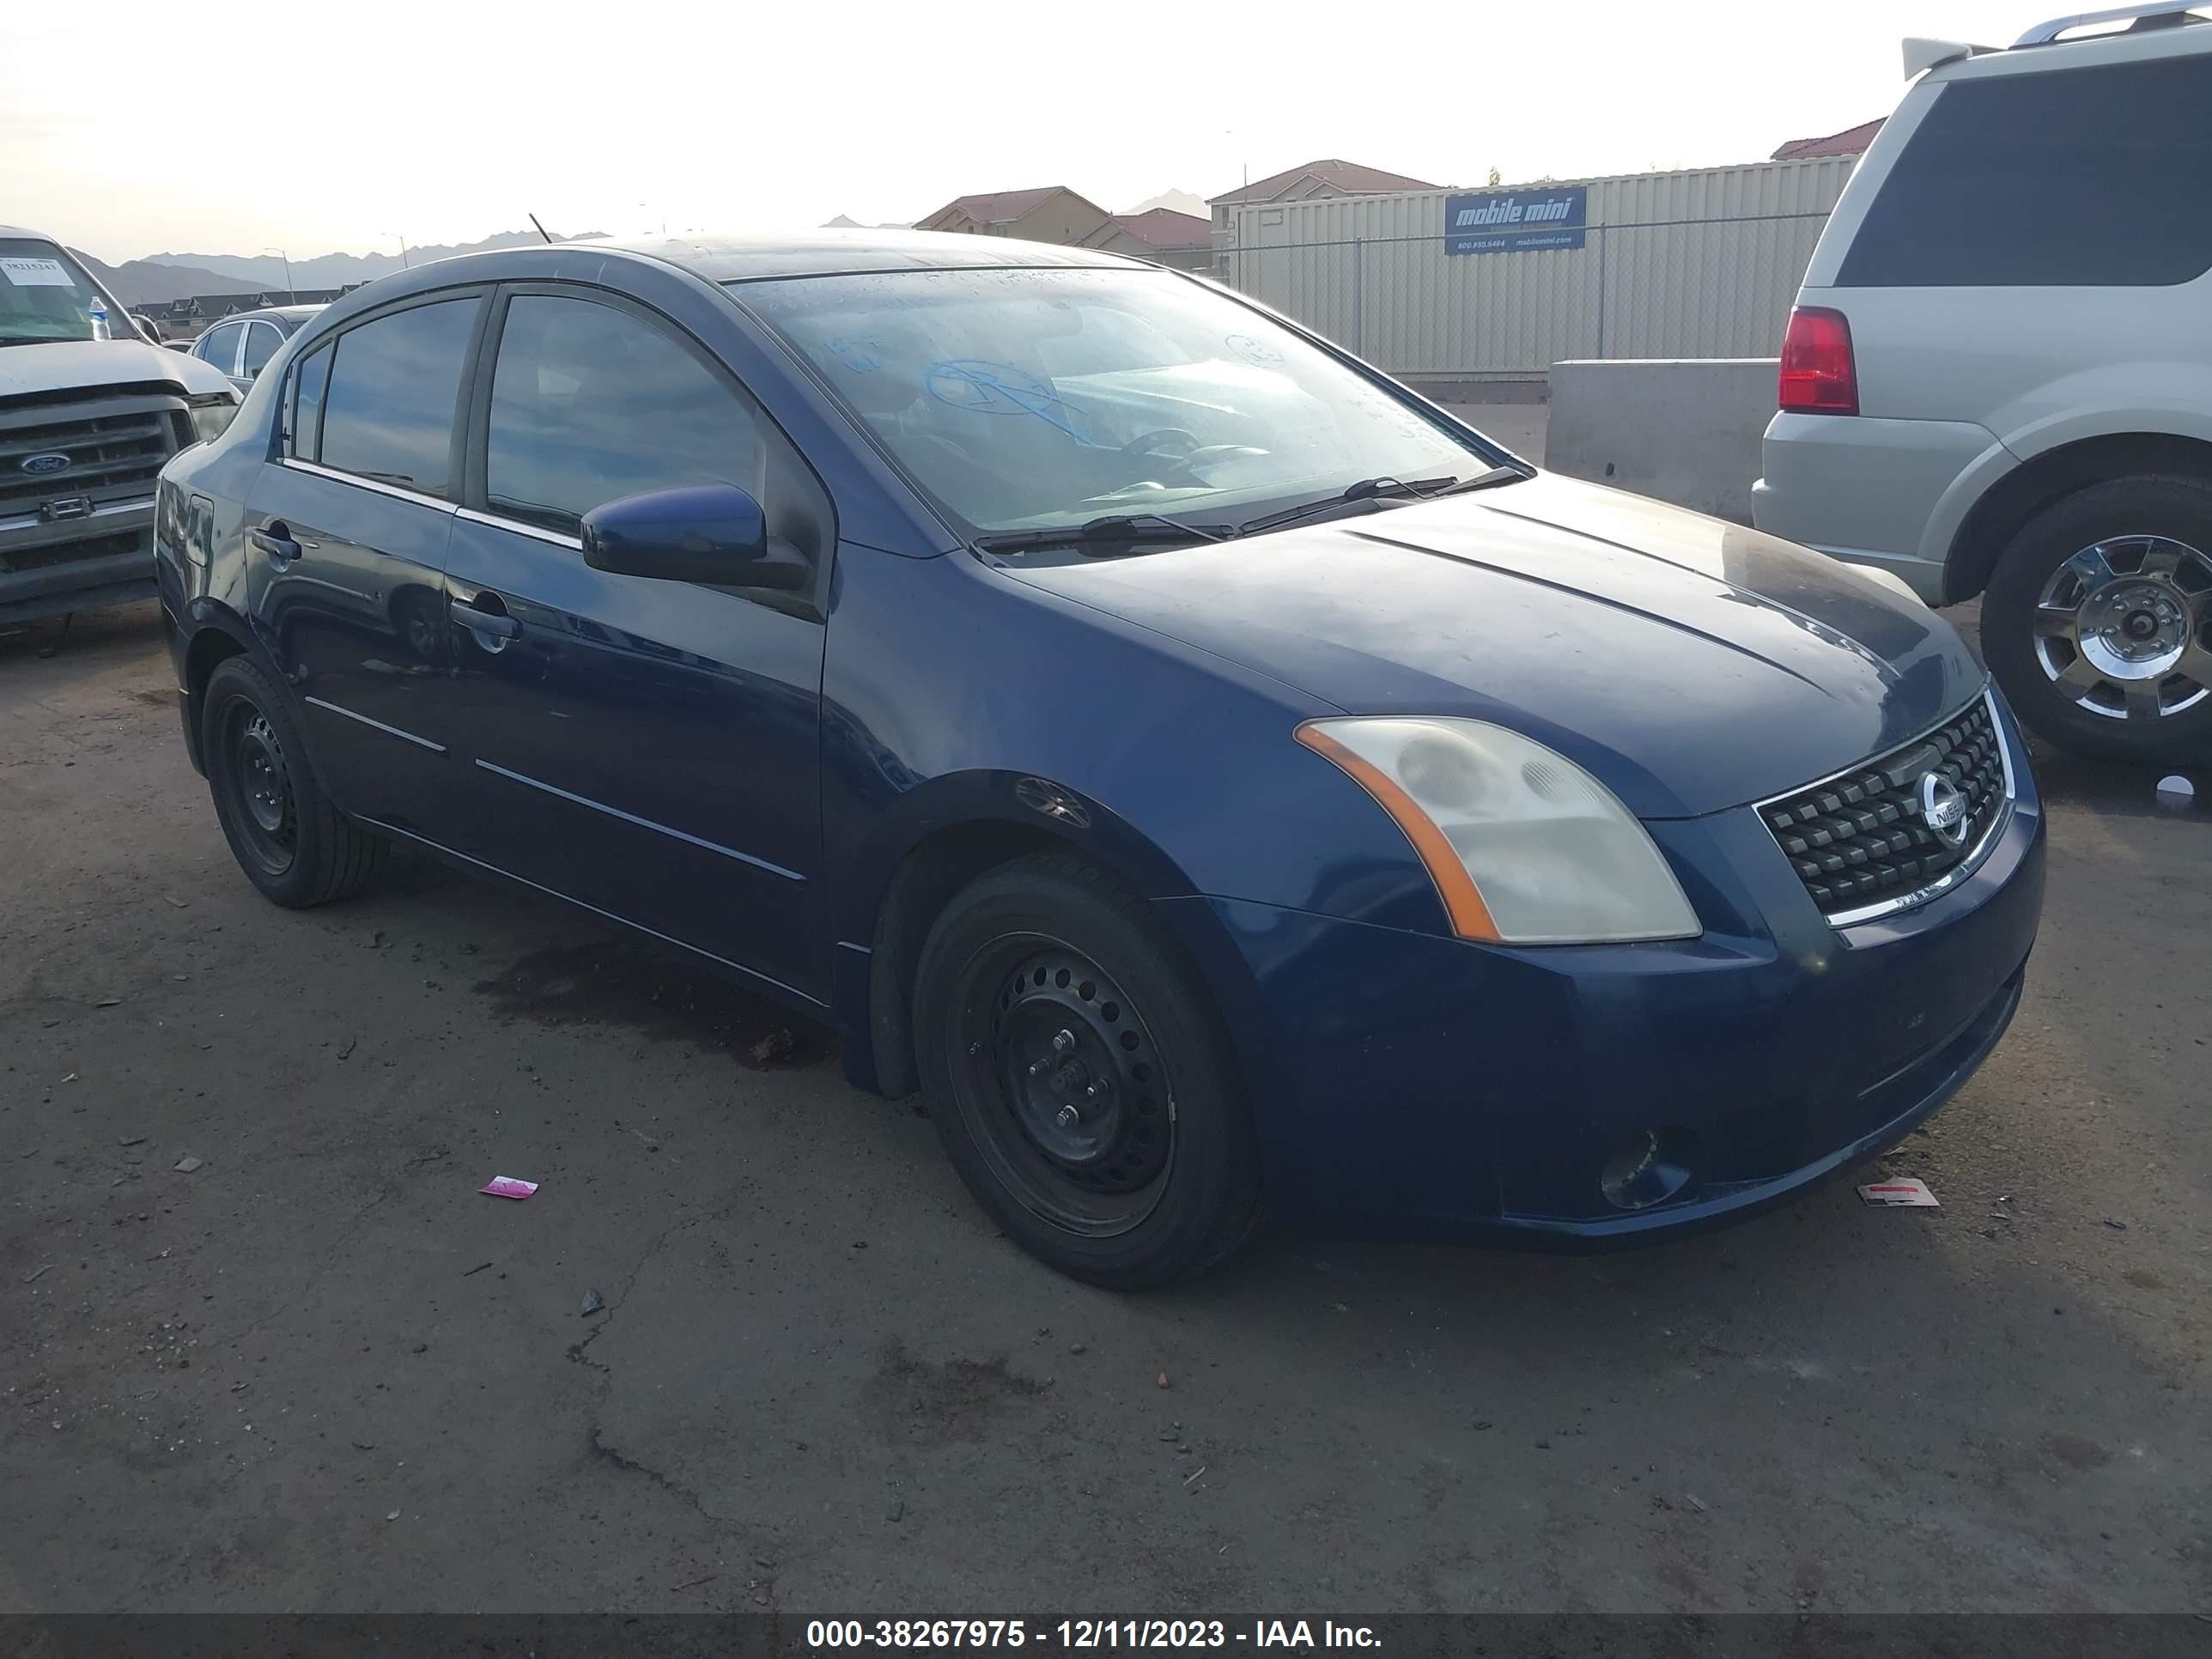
<point>1411,1086</point>
<point>102,559</point>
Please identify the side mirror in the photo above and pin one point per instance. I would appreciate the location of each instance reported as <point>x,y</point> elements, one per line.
<point>713,533</point>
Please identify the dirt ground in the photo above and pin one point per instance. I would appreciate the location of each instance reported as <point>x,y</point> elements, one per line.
<point>317,1371</point>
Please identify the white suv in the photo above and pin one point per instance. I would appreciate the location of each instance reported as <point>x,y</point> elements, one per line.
<point>1998,378</point>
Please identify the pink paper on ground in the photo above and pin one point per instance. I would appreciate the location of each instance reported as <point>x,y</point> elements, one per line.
<point>508,1187</point>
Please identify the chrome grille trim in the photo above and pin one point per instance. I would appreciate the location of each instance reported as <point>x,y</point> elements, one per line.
<point>1985,837</point>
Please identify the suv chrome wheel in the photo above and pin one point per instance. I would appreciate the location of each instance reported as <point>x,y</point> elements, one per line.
<point>2121,627</point>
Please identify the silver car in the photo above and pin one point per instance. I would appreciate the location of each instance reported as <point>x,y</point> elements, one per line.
<point>1998,378</point>
<point>240,346</point>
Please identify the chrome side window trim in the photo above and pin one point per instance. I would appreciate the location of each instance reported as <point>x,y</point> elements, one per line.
<point>359,483</point>
<point>573,542</point>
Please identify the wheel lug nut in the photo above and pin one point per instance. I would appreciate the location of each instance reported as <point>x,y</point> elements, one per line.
<point>1068,1117</point>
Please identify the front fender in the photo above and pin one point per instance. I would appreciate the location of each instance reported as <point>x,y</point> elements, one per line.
<point>1023,803</point>
<point>959,702</point>
<point>946,684</point>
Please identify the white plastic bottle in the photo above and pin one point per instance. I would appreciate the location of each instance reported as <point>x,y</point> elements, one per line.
<point>99,318</point>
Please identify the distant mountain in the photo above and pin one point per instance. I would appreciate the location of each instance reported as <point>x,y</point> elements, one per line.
<point>266,270</point>
<point>1180,201</point>
<point>143,283</point>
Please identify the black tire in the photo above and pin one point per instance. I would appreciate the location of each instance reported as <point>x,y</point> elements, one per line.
<point>2127,516</point>
<point>1161,1180</point>
<point>287,837</point>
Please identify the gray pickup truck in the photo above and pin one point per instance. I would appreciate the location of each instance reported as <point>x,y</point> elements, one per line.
<point>89,411</point>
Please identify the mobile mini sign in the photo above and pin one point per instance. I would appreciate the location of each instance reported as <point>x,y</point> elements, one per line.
<point>1516,221</point>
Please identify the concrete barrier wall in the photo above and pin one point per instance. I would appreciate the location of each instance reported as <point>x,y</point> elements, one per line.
<point>1683,430</point>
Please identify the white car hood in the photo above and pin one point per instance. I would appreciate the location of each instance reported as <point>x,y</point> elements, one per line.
<point>66,365</point>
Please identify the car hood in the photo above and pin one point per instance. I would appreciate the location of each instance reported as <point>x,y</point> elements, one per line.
<point>67,365</point>
<point>1691,663</point>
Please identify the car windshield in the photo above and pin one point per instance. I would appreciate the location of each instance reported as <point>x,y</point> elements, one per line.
<point>45,295</point>
<point>1034,399</point>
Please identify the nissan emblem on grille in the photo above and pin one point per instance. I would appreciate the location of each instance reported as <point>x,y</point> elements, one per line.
<point>1901,827</point>
<point>1943,808</point>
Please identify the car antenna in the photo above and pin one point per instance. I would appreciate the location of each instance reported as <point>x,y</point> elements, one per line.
<point>541,229</point>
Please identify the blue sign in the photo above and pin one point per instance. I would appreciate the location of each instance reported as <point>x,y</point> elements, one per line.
<point>1516,221</point>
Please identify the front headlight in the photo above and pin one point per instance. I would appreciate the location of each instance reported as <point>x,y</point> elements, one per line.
<point>211,413</point>
<point>1524,846</point>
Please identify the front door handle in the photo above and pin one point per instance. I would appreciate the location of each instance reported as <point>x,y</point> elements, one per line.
<point>496,623</point>
<point>275,544</point>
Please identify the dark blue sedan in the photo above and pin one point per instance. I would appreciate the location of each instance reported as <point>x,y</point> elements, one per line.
<point>1223,780</point>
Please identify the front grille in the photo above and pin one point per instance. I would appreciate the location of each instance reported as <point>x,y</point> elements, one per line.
<point>108,454</point>
<point>1861,840</point>
<point>53,553</point>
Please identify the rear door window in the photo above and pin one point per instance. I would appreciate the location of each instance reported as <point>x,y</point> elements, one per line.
<point>388,411</point>
<point>2096,177</point>
<point>262,340</point>
<point>219,345</point>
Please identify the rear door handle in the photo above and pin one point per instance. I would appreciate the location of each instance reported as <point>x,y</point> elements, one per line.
<point>497,623</point>
<point>275,546</point>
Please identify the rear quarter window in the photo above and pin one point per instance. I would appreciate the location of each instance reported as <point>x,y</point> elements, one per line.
<point>2098,177</point>
<point>308,382</point>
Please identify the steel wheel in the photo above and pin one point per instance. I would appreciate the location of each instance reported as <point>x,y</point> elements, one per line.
<point>262,780</point>
<point>1076,1113</point>
<point>2121,627</point>
<point>289,839</point>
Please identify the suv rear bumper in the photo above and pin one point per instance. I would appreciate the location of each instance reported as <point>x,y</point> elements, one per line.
<point>1866,489</point>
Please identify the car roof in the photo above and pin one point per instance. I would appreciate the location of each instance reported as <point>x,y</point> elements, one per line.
<point>719,260</point>
<point>824,253</point>
<point>289,314</point>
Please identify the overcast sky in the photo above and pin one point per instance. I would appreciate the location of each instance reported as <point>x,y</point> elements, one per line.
<point>129,129</point>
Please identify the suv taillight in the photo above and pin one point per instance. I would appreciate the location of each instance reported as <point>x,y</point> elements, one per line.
<point>1819,374</point>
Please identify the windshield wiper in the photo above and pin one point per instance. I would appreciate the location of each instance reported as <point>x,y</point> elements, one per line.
<point>1384,489</point>
<point>1489,480</point>
<point>1102,535</point>
<point>1118,532</point>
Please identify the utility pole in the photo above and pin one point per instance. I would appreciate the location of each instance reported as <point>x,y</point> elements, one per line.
<point>290,292</point>
<point>402,240</point>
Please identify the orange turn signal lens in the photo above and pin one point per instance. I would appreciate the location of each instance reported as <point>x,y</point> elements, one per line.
<point>1462,900</point>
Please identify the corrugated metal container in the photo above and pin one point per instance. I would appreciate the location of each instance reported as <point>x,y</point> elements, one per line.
<point>1702,262</point>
